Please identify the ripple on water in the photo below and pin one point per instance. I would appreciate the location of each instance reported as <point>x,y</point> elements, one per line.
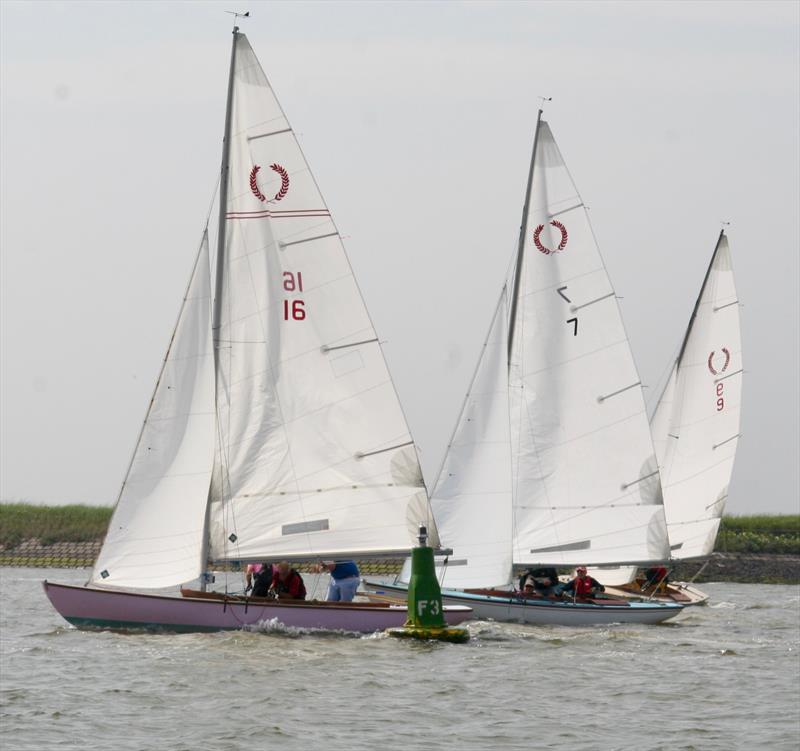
<point>514,686</point>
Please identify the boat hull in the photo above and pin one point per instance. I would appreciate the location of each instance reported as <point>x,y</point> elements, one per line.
<point>546,612</point>
<point>88,607</point>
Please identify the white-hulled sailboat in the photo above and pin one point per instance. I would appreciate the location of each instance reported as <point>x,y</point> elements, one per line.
<point>551,462</point>
<point>274,431</point>
<point>696,424</point>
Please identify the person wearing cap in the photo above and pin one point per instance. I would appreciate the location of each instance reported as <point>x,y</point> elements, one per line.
<point>539,581</point>
<point>583,585</point>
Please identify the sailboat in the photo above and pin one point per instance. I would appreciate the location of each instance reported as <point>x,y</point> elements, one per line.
<point>274,431</point>
<point>696,423</point>
<point>551,462</point>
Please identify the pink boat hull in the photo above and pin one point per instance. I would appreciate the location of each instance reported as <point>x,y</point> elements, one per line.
<point>86,607</point>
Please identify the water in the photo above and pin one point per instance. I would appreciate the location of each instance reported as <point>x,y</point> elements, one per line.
<point>721,677</point>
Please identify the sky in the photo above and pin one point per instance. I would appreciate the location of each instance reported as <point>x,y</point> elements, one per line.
<point>417,120</point>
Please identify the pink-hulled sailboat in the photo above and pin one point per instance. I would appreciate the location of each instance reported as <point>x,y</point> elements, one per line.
<point>89,607</point>
<point>274,431</point>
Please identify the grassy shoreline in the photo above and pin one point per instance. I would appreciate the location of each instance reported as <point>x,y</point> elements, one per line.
<point>756,549</point>
<point>76,523</point>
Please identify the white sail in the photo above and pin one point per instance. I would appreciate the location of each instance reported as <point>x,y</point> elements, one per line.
<point>314,454</point>
<point>472,497</point>
<point>696,422</point>
<point>585,478</point>
<point>156,533</point>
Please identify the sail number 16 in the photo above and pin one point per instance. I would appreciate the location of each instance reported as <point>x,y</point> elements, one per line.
<point>293,310</point>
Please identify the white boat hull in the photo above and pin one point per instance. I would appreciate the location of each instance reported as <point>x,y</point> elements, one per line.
<point>545,612</point>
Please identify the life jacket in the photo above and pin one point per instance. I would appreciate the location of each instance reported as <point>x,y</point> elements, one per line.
<point>285,587</point>
<point>583,587</point>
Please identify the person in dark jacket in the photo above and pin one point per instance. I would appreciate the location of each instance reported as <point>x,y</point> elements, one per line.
<point>541,581</point>
<point>287,584</point>
<point>261,580</point>
<point>583,585</point>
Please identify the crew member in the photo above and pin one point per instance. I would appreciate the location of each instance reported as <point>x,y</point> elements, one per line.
<point>261,579</point>
<point>344,582</point>
<point>542,581</point>
<point>583,585</point>
<point>287,584</point>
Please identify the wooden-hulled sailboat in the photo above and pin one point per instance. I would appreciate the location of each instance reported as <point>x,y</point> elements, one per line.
<point>696,425</point>
<point>274,431</point>
<point>551,462</point>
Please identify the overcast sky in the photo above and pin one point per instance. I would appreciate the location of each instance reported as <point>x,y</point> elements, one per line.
<point>417,119</point>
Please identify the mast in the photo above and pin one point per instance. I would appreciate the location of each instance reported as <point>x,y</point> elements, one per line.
<point>523,228</point>
<point>699,297</point>
<point>223,204</point>
<point>220,265</point>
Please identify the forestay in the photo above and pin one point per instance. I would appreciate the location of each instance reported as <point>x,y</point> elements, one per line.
<point>314,455</point>
<point>472,497</point>
<point>156,533</point>
<point>696,422</point>
<point>585,480</point>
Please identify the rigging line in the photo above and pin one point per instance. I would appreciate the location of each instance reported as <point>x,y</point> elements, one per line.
<point>213,198</point>
<point>660,385</point>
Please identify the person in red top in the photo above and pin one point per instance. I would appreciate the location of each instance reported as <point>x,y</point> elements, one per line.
<point>583,585</point>
<point>287,584</point>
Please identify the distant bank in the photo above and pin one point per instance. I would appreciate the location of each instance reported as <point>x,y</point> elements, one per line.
<point>760,549</point>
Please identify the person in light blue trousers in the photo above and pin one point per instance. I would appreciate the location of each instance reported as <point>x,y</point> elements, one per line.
<point>345,578</point>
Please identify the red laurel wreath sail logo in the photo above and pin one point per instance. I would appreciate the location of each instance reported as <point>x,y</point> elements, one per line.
<point>255,190</point>
<point>543,248</point>
<point>714,371</point>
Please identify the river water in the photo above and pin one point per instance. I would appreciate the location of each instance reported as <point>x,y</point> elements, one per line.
<point>720,677</point>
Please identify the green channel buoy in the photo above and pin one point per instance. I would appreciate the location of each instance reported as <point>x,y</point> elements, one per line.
<point>425,609</point>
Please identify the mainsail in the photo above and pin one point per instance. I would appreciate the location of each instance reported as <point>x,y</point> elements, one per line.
<point>585,478</point>
<point>275,430</point>
<point>551,459</point>
<point>314,456</point>
<point>156,533</point>
<point>696,422</point>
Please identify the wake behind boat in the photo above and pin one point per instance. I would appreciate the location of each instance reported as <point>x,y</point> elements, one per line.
<point>274,431</point>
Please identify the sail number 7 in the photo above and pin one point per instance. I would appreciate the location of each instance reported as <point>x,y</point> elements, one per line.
<point>293,310</point>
